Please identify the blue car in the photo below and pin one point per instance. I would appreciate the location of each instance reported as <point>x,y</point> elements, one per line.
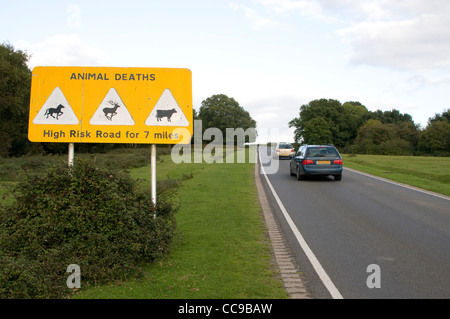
<point>316,160</point>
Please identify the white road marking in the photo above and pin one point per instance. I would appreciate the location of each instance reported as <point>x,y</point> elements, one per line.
<point>308,252</point>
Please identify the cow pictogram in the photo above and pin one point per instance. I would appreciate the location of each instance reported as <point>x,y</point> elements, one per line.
<point>167,112</point>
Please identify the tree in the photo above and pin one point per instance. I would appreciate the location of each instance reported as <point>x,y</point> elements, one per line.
<point>222,112</point>
<point>15,87</point>
<point>393,116</point>
<point>375,137</point>
<point>317,131</point>
<point>354,115</point>
<point>339,122</point>
<point>320,112</point>
<point>435,139</point>
<point>445,116</point>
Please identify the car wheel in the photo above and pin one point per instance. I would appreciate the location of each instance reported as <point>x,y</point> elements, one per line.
<point>290,171</point>
<point>338,177</point>
<point>299,176</point>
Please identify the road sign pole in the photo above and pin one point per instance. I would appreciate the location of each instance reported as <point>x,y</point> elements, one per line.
<point>153,176</point>
<point>71,154</point>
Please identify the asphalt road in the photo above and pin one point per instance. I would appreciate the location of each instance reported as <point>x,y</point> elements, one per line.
<point>361,221</point>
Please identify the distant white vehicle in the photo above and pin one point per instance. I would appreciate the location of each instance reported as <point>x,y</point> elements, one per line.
<point>283,149</point>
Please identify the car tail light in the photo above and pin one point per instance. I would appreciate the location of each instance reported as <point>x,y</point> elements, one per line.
<point>339,162</point>
<point>306,162</point>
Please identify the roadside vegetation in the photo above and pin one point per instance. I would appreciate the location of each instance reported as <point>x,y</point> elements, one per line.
<point>429,173</point>
<point>98,219</point>
<point>219,248</point>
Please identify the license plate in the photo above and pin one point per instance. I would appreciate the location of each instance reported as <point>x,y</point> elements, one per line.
<point>323,162</point>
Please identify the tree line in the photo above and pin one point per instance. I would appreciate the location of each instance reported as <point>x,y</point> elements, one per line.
<point>354,129</point>
<point>349,126</point>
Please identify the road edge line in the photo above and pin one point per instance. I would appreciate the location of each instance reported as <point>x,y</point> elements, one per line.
<point>334,292</point>
<point>414,188</point>
<point>292,281</point>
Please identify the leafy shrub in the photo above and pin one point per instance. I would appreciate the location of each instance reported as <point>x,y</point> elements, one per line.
<point>88,216</point>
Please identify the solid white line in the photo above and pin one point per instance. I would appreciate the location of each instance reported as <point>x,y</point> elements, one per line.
<point>312,258</point>
<point>399,184</point>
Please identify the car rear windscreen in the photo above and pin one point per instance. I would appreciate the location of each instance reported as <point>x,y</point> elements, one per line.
<point>321,152</point>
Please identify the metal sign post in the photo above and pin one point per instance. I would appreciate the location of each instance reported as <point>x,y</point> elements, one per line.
<point>153,176</point>
<point>71,154</point>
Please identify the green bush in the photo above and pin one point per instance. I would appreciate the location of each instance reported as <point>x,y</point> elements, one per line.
<point>99,220</point>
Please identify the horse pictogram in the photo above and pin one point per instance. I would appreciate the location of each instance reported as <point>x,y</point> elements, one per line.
<point>52,110</point>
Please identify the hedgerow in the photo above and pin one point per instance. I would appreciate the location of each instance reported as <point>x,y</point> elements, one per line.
<point>100,220</point>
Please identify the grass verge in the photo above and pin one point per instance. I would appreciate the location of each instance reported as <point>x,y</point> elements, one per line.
<point>429,173</point>
<point>222,250</point>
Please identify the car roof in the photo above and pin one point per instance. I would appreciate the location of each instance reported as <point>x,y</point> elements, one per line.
<point>321,145</point>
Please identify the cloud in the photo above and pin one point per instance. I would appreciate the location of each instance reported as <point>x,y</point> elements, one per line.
<point>416,44</point>
<point>278,9</point>
<point>64,50</point>
<point>408,35</point>
<point>275,10</point>
<point>304,7</point>
<point>417,81</point>
<point>258,22</point>
<point>272,116</point>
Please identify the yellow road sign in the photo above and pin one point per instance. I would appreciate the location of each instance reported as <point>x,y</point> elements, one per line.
<point>111,105</point>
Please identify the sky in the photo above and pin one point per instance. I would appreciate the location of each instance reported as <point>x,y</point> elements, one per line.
<point>271,56</point>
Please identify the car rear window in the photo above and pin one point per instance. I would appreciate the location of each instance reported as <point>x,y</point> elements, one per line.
<point>321,152</point>
<point>285,146</point>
